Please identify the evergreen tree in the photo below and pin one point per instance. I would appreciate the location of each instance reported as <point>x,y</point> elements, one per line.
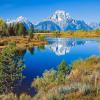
<point>11,67</point>
<point>1,26</point>
<point>22,30</point>
<point>16,27</point>
<point>11,30</point>
<point>63,67</point>
<point>62,71</point>
<point>5,30</point>
<point>30,32</point>
<point>1,22</point>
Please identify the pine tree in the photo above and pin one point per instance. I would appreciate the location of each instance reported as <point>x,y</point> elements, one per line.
<point>63,67</point>
<point>22,29</point>
<point>11,67</point>
<point>16,27</point>
<point>63,70</point>
<point>30,32</point>
<point>4,29</point>
<point>1,26</point>
<point>1,22</point>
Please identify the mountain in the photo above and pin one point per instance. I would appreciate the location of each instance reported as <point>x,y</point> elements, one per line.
<point>64,20</point>
<point>10,21</point>
<point>76,25</point>
<point>60,17</point>
<point>95,25</point>
<point>25,21</point>
<point>61,20</point>
<point>21,19</point>
<point>47,25</point>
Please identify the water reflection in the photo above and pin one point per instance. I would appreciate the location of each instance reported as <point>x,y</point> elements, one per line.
<point>21,52</point>
<point>31,50</point>
<point>63,46</point>
<point>41,48</point>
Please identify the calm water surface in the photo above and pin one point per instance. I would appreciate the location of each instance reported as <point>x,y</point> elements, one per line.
<point>39,59</point>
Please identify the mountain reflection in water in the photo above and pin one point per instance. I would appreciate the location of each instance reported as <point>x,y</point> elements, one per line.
<point>63,46</point>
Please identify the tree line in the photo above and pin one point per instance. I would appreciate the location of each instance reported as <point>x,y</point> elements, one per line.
<point>14,29</point>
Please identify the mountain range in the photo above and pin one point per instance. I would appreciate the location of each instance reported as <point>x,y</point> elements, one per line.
<point>60,21</point>
<point>95,25</point>
<point>21,19</point>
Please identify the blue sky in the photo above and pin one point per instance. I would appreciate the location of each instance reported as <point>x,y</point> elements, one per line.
<point>36,10</point>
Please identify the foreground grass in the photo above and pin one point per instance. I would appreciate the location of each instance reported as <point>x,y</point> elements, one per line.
<point>83,83</point>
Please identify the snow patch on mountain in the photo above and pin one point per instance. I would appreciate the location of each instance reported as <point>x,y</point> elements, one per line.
<point>21,19</point>
<point>60,17</point>
<point>65,22</point>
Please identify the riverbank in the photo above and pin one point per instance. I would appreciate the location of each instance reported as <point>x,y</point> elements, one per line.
<point>20,42</point>
<point>78,34</point>
<point>83,82</point>
<point>38,38</point>
<point>73,34</point>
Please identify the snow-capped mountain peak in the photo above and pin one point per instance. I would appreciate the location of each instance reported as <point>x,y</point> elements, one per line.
<point>59,16</point>
<point>65,22</point>
<point>9,21</point>
<point>25,21</point>
<point>21,19</point>
<point>60,21</point>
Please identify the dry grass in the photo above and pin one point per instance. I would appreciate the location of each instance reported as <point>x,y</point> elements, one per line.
<point>83,83</point>
<point>21,42</point>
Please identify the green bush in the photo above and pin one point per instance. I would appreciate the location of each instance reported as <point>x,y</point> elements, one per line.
<point>12,44</point>
<point>41,38</point>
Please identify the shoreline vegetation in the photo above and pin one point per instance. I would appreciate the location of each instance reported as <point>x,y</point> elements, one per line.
<point>38,39</point>
<point>78,81</point>
<point>20,42</point>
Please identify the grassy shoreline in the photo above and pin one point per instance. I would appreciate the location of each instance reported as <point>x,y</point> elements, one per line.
<point>20,42</point>
<point>24,42</point>
<point>83,83</point>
